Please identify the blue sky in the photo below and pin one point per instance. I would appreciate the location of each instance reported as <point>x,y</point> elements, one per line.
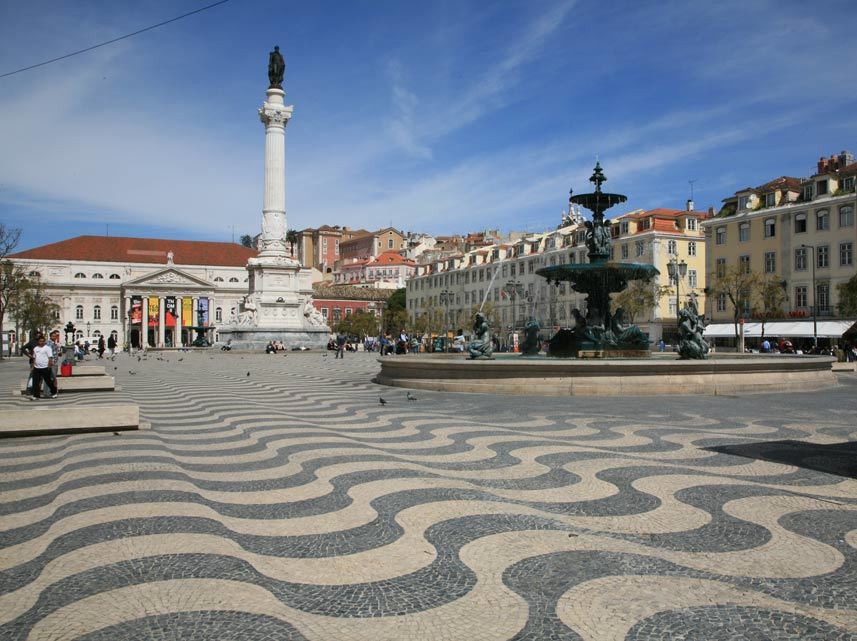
<point>443,116</point>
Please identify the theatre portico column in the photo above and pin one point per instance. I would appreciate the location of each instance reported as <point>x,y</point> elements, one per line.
<point>144,326</point>
<point>177,330</point>
<point>194,317</point>
<point>161,329</point>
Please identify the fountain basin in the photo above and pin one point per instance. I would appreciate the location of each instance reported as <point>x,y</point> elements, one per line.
<point>616,275</point>
<point>721,374</point>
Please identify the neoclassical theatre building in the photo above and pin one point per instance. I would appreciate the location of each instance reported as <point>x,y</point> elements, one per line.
<point>164,293</point>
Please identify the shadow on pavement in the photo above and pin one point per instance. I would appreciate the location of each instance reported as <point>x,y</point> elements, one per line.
<point>839,459</point>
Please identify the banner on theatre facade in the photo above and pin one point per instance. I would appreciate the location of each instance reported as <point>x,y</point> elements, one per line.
<point>203,312</point>
<point>170,311</point>
<point>187,312</point>
<point>154,309</point>
<point>136,310</point>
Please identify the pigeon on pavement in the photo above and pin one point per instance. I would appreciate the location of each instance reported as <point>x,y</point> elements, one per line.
<point>382,401</point>
<point>411,397</point>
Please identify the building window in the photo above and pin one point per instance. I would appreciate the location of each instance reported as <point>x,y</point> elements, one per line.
<point>691,224</point>
<point>807,192</point>
<point>770,262</point>
<point>771,199</point>
<point>348,311</point>
<point>78,312</point>
<point>822,297</point>
<point>691,248</point>
<point>233,280</point>
<point>218,314</point>
<point>96,312</point>
<point>720,267</point>
<point>98,275</point>
<point>744,202</point>
<point>115,277</point>
<point>624,252</point>
<point>822,256</point>
<point>848,184</point>
<point>846,216</point>
<point>639,248</point>
<point>820,187</point>
<point>846,254</point>
<point>691,278</point>
<point>721,303</point>
<point>744,263</point>
<point>56,314</point>
<point>80,275</point>
<point>324,312</point>
<point>800,223</point>
<point>743,232</point>
<point>770,227</point>
<point>672,248</point>
<point>114,312</point>
<point>218,279</point>
<point>800,258</point>
<point>389,243</point>
<point>822,220</point>
<point>623,227</point>
<point>720,235</point>
<point>800,296</point>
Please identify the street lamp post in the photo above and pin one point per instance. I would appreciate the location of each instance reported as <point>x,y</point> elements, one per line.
<point>677,270</point>
<point>814,301</point>
<point>446,298</point>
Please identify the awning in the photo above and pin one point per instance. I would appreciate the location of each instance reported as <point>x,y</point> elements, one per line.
<point>783,329</point>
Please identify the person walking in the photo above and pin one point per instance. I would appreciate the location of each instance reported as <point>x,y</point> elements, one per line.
<point>42,363</point>
<point>111,345</point>
<point>101,347</point>
<point>340,345</point>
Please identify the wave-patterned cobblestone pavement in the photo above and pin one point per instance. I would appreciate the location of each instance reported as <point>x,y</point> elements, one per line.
<point>274,497</point>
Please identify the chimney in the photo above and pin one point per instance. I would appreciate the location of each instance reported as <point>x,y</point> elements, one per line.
<point>822,165</point>
<point>711,210</point>
<point>689,205</point>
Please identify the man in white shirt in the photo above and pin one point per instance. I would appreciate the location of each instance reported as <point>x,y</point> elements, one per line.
<point>43,360</point>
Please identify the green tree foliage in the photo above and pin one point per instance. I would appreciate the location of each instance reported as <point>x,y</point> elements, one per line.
<point>32,309</point>
<point>395,312</point>
<point>360,324</point>
<point>770,297</point>
<point>740,287</point>
<point>639,298</point>
<point>247,240</point>
<point>848,297</point>
<point>292,237</point>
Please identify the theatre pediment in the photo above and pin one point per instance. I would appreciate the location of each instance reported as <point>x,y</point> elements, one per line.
<point>170,277</point>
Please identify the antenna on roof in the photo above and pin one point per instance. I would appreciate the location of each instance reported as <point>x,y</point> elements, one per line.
<point>690,182</point>
<point>107,226</point>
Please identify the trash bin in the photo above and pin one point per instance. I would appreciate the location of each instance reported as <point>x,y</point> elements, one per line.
<point>65,369</point>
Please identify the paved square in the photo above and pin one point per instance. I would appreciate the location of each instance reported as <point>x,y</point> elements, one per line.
<point>276,498</point>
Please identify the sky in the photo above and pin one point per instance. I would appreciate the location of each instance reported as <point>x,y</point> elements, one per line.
<point>443,117</point>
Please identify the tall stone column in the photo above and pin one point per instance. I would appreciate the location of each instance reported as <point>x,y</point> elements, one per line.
<point>144,326</point>
<point>275,115</point>
<point>177,331</point>
<point>162,330</point>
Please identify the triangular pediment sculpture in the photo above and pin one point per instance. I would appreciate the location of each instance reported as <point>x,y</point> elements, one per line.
<point>170,276</point>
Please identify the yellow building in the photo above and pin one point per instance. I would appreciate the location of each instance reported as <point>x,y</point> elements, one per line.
<point>800,232</point>
<point>656,237</point>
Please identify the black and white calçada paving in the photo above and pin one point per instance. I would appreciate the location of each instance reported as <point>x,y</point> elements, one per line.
<point>276,497</point>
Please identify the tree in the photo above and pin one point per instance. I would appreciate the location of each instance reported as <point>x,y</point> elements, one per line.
<point>360,324</point>
<point>770,296</point>
<point>293,237</point>
<point>848,297</point>
<point>247,241</point>
<point>12,278</point>
<point>395,312</point>
<point>32,309</point>
<point>639,298</point>
<point>740,286</point>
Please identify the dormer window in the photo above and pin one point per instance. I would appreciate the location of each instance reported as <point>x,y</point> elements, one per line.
<point>623,227</point>
<point>744,202</point>
<point>690,225</point>
<point>807,192</point>
<point>770,199</point>
<point>821,187</point>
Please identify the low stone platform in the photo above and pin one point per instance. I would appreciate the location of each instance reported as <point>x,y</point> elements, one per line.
<point>88,370</point>
<point>845,367</point>
<point>81,384</point>
<point>42,421</point>
<point>630,377</point>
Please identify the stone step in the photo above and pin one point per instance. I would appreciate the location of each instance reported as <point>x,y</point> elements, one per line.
<point>81,384</point>
<point>41,420</point>
<point>845,367</point>
<point>88,370</point>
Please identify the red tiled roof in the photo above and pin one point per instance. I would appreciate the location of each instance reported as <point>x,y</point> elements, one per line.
<point>390,258</point>
<point>663,212</point>
<point>115,249</point>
